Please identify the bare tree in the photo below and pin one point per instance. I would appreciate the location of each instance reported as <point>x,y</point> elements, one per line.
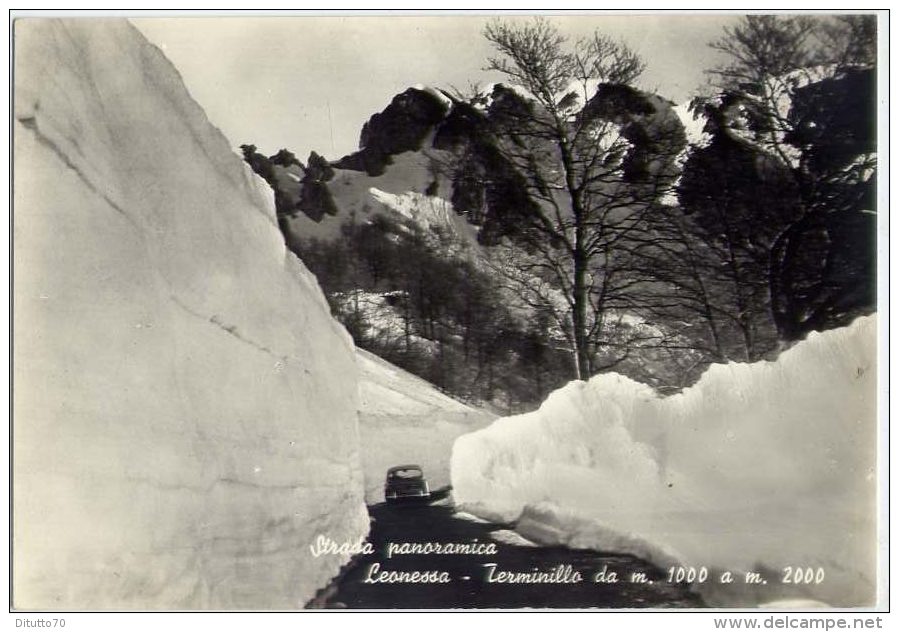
<point>799,92</point>
<point>585,157</point>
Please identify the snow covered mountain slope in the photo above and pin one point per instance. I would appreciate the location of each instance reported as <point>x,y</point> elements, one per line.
<point>693,125</point>
<point>758,467</point>
<point>398,193</point>
<point>185,408</point>
<point>404,419</point>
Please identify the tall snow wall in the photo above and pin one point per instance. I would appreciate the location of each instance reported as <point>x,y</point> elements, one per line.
<point>758,467</point>
<point>185,408</point>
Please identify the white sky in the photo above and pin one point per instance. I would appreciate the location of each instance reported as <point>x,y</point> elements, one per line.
<point>271,81</point>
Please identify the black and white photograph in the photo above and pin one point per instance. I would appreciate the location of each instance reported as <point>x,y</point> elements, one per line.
<point>440,312</point>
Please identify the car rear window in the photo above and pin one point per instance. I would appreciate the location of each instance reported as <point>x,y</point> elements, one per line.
<point>407,473</point>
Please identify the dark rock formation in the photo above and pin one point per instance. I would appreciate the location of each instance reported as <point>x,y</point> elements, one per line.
<point>402,126</point>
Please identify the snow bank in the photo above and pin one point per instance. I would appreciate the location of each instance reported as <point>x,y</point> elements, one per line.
<point>758,466</point>
<point>512,538</point>
<point>405,419</point>
<point>185,407</point>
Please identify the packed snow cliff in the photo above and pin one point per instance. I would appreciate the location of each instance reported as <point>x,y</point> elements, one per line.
<point>758,467</point>
<point>184,406</point>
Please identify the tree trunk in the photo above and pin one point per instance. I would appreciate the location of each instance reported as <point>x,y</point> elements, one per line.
<point>581,342</point>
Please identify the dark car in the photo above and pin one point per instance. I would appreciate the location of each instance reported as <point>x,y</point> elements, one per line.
<point>405,482</point>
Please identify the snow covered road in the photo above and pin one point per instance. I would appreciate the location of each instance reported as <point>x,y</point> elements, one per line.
<point>404,419</point>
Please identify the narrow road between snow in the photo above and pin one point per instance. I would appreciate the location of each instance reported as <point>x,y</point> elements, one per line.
<point>483,579</point>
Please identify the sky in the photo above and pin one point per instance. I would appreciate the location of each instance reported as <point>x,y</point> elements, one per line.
<point>310,83</point>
